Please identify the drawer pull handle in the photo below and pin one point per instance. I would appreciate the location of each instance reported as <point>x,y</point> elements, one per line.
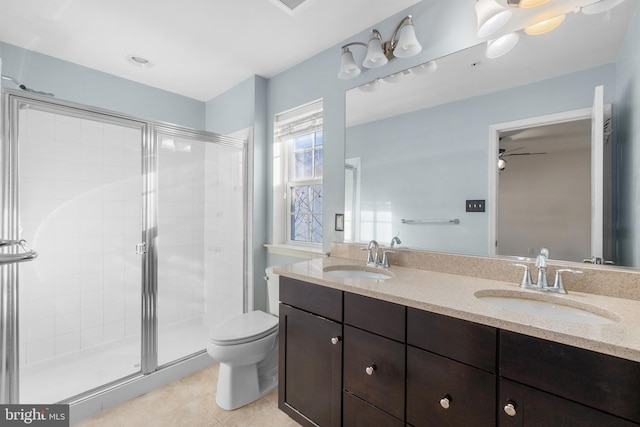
<point>335,340</point>
<point>510,409</point>
<point>445,402</point>
<point>370,369</point>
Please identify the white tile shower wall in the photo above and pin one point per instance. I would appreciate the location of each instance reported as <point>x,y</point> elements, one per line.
<point>80,205</point>
<point>224,233</point>
<point>181,225</point>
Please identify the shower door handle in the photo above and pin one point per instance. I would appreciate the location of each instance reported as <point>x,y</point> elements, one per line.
<point>141,248</point>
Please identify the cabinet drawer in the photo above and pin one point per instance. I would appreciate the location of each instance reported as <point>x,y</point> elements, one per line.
<point>384,388</point>
<point>534,408</point>
<point>603,382</point>
<point>380,317</point>
<point>456,339</point>
<point>325,302</point>
<point>358,413</point>
<point>470,392</point>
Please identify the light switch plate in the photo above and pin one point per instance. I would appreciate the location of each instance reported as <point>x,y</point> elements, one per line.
<point>475,205</point>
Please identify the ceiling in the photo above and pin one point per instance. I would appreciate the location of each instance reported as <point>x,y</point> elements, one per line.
<point>197,48</point>
<point>580,42</point>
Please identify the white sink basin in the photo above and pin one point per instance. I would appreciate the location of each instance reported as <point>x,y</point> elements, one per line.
<point>358,272</point>
<point>547,306</point>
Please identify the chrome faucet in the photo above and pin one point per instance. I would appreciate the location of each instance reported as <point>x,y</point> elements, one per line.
<point>373,258</point>
<point>395,240</point>
<point>542,284</point>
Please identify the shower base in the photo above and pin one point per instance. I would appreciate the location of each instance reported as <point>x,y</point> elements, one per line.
<point>68,375</point>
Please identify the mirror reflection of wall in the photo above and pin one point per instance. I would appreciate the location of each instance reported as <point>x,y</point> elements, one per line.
<point>544,191</point>
<point>422,137</point>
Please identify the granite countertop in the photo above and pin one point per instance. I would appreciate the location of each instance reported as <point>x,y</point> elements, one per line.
<point>454,295</point>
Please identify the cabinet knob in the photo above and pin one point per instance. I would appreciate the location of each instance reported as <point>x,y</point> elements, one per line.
<point>445,402</point>
<point>370,369</point>
<point>510,409</point>
<point>335,340</point>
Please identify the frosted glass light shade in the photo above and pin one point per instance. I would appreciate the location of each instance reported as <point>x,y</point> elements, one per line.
<point>408,44</point>
<point>426,68</point>
<point>544,26</point>
<point>601,6</point>
<point>527,4</point>
<point>370,87</point>
<point>491,17</point>
<point>375,56</point>
<point>348,67</point>
<point>501,45</point>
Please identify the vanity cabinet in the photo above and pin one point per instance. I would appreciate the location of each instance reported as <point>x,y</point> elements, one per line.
<point>556,384</point>
<point>451,371</point>
<point>310,351</point>
<point>350,360</point>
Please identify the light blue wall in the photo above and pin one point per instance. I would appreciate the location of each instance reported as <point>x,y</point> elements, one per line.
<point>233,110</point>
<point>627,128</point>
<point>425,164</point>
<point>72,82</point>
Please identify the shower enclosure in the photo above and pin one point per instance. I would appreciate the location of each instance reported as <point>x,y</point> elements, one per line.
<point>141,233</point>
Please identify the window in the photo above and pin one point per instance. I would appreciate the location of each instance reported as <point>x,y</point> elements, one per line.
<point>304,195</point>
<point>299,134</point>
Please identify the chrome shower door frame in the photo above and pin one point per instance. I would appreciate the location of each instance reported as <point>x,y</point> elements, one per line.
<point>9,203</point>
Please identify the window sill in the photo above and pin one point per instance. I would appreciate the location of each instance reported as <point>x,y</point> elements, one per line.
<point>304,252</point>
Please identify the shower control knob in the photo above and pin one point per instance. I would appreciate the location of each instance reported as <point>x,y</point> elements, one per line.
<point>335,340</point>
<point>370,369</point>
<point>510,409</point>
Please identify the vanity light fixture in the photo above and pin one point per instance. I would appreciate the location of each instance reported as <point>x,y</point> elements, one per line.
<point>403,44</point>
<point>371,86</point>
<point>491,17</point>
<point>526,4</point>
<point>426,68</point>
<point>544,26</point>
<point>601,6</point>
<point>498,47</point>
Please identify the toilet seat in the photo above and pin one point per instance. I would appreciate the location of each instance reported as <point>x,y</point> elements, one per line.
<point>244,328</point>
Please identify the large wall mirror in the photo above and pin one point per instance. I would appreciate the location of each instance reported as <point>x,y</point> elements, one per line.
<point>422,143</point>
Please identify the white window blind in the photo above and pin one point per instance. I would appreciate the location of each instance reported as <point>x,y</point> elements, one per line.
<point>299,121</point>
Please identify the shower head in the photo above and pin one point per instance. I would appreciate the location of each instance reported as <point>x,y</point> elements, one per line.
<point>24,88</point>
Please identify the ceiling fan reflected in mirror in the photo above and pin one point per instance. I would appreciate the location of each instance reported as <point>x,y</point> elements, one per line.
<point>503,152</point>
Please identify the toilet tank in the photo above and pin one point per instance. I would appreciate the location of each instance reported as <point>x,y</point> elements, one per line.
<point>273,291</point>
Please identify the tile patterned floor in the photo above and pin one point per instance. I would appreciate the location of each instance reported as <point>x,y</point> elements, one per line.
<point>190,402</point>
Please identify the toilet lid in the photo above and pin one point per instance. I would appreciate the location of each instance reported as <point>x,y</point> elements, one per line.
<point>243,328</point>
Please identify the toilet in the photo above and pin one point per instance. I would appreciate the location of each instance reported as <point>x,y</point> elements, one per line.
<point>247,348</point>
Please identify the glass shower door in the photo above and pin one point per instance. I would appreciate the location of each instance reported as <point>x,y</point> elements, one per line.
<point>80,204</point>
<point>201,228</point>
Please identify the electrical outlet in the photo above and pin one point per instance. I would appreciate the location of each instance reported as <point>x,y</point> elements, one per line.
<point>475,205</point>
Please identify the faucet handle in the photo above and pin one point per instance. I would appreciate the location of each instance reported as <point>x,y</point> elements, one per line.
<point>558,286</point>
<point>526,282</point>
<point>385,258</point>
<point>369,255</point>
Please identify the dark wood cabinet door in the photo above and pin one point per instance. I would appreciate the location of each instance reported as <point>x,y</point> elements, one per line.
<point>469,392</point>
<point>383,387</point>
<point>310,368</point>
<point>535,408</point>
